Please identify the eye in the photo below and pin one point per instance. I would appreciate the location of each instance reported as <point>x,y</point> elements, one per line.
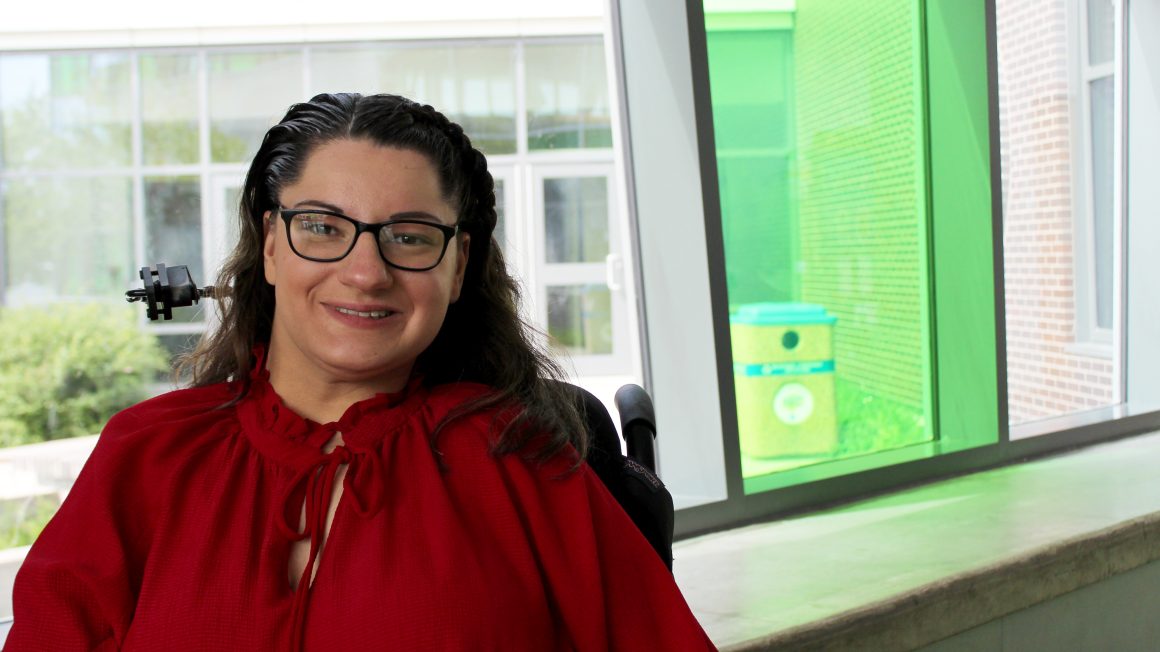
<point>318,226</point>
<point>412,235</point>
<point>410,239</point>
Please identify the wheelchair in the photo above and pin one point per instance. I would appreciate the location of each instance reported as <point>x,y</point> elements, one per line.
<point>631,478</point>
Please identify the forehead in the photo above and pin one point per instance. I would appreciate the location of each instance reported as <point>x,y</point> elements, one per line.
<point>368,180</point>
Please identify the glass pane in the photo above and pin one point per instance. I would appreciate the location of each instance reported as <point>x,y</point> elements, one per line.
<point>576,219</point>
<point>567,95</point>
<point>1102,112</point>
<point>248,93</point>
<point>472,85</point>
<point>169,108</point>
<point>174,346</point>
<point>67,238</point>
<point>580,319</point>
<point>173,230</point>
<point>1057,217</point>
<point>499,235</point>
<point>822,174</point>
<point>231,196</point>
<point>65,110</point>
<point>1101,19</point>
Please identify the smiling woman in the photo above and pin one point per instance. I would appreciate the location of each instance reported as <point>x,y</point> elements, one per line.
<point>373,453</point>
<point>346,324</point>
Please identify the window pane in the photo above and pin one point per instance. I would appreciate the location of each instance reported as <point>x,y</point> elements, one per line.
<point>580,319</point>
<point>169,108</point>
<point>567,95</point>
<point>472,85</point>
<point>576,219</point>
<point>174,346</point>
<point>822,174</point>
<point>65,110</point>
<point>248,93</point>
<point>499,234</point>
<point>173,230</point>
<point>67,238</point>
<point>1058,172</point>
<point>1102,108</point>
<point>1101,16</point>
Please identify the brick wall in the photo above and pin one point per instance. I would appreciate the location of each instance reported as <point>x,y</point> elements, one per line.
<point>1046,374</point>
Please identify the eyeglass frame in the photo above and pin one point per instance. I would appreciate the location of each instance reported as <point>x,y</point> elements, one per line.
<point>449,232</point>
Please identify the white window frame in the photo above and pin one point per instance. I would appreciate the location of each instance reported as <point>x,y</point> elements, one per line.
<point>610,272</point>
<point>1090,338</point>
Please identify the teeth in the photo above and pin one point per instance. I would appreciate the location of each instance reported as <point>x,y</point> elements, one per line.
<point>374,314</point>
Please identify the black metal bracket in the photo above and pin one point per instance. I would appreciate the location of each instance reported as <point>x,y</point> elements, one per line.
<point>166,288</point>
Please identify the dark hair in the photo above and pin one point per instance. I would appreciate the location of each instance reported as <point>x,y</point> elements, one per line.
<point>482,338</point>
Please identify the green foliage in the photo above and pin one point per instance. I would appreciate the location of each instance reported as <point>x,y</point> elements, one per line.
<point>22,520</point>
<point>65,369</point>
<point>869,422</point>
<point>229,148</point>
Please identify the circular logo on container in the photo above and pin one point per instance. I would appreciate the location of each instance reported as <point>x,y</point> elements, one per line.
<point>793,403</point>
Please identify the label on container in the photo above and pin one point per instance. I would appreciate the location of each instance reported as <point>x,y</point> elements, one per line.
<point>793,403</point>
<point>783,368</point>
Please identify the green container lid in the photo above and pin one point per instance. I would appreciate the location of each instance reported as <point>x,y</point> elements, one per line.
<point>775,314</point>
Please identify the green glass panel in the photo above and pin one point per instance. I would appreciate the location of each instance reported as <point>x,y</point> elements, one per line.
<point>820,134</point>
<point>961,222</point>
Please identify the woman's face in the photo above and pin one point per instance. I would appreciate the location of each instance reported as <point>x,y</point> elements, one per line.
<point>318,332</point>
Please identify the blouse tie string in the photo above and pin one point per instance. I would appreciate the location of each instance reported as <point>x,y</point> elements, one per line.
<point>313,487</point>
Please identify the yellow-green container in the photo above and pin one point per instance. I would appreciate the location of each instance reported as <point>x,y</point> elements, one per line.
<point>783,371</point>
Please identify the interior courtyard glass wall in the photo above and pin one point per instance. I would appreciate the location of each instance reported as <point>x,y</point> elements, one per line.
<point>820,135</point>
<point>822,120</point>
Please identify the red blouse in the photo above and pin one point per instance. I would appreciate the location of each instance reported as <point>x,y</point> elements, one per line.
<point>178,532</point>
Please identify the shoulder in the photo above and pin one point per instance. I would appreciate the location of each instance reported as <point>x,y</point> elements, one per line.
<point>195,403</point>
<point>448,396</point>
<point>467,417</point>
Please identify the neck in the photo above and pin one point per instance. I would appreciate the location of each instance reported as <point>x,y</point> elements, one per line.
<point>313,395</point>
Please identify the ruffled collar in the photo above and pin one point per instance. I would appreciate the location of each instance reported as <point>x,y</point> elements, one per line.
<point>281,433</point>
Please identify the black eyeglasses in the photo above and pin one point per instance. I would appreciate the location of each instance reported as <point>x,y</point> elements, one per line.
<point>406,243</point>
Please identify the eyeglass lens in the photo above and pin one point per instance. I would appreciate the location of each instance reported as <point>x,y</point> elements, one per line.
<point>330,237</point>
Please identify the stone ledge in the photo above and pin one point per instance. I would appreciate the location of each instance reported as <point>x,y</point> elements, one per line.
<point>944,608</point>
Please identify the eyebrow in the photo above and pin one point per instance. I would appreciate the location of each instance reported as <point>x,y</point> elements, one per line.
<point>314,203</point>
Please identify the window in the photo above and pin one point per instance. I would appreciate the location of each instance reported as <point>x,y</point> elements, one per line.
<point>821,142</point>
<point>976,209</point>
<point>1059,114</point>
<point>581,268</point>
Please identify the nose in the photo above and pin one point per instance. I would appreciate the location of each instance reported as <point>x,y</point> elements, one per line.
<point>363,267</point>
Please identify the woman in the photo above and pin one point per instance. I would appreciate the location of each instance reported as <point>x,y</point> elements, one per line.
<point>372,455</point>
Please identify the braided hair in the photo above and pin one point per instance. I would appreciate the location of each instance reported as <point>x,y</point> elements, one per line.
<point>482,339</point>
